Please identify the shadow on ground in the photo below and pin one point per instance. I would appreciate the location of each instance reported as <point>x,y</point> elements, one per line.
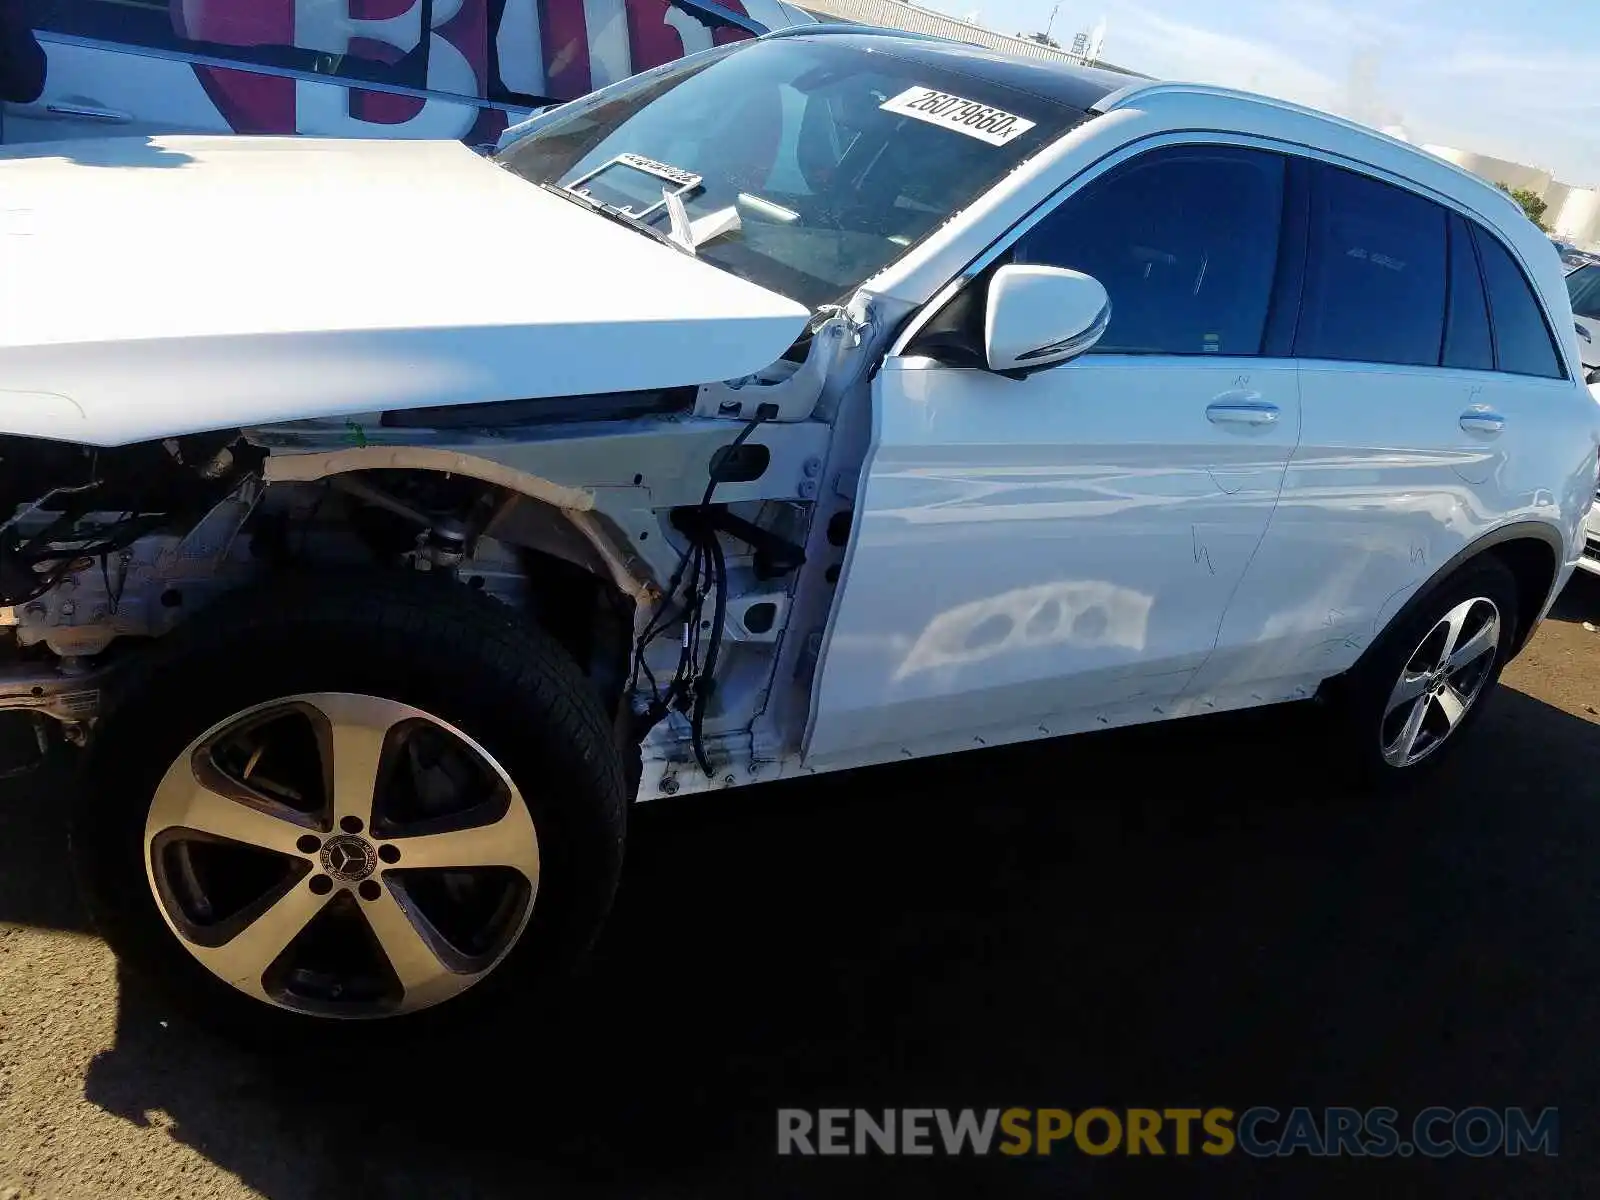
<point>1186,915</point>
<point>1579,601</point>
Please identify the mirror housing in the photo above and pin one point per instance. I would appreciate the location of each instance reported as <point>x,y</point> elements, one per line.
<point>1038,317</point>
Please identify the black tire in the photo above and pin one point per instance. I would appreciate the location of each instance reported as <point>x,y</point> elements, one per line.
<point>1361,707</point>
<point>458,656</point>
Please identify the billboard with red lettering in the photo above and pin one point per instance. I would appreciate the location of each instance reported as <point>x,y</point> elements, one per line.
<point>350,68</point>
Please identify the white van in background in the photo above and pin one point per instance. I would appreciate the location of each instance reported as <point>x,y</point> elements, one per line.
<point>460,69</point>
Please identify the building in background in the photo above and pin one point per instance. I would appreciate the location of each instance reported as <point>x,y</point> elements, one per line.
<point>1496,170</point>
<point>893,14</point>
<point>1572,212</point>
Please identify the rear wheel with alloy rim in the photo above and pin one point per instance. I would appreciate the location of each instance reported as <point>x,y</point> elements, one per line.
<point>1441,681</point>
<point>1426,680</point>
<point>395,804</point>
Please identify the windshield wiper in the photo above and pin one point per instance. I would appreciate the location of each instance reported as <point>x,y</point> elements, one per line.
<point>617,215</point>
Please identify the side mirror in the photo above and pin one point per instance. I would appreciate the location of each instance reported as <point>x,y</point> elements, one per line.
<point>1038,317</point>
<point>1592,375</point>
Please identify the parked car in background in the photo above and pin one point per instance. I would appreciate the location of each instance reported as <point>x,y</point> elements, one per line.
<point>1583,288</point>
<point>351,68</point>
<point>1572,257</point>
<point>385,518</point>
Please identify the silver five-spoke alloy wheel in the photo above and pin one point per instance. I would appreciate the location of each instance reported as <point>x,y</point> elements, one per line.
<point>342,855</point>
<point>1440,682</point>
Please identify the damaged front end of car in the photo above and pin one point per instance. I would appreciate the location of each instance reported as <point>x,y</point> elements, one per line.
<point>661,536</point>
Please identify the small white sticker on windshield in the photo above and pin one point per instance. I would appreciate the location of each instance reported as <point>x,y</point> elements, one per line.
<point>992,125</point>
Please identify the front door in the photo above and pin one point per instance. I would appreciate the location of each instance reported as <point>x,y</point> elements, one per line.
<point>1034,556</point>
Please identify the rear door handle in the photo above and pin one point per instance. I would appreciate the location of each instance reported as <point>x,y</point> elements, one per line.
<point>88,112</point>
<point>1482,420</point>
<point>1241,408</point>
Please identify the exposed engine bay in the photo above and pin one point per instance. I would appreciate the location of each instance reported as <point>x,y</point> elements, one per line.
<point>105,549</point>
<point>682,545</point>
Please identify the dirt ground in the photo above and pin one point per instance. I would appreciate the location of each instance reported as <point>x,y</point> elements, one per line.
<point>1181,915</point>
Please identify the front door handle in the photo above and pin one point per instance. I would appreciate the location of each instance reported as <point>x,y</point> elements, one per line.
<point>1479,419</point>
<point>1241,408</point>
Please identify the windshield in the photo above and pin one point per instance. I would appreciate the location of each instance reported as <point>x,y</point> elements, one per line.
<point>837,154</point>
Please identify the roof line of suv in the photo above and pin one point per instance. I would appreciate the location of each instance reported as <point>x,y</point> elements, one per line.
<point>845,27</point>
<point>1144,91</point>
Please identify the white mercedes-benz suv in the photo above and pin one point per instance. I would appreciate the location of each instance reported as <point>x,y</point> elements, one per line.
<point>380,519</point>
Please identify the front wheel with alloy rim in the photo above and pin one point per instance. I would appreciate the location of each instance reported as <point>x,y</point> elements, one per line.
<point>357,806</point>
<point>1425,682</point>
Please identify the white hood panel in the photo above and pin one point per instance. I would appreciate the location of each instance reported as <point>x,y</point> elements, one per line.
<point>154,288</point>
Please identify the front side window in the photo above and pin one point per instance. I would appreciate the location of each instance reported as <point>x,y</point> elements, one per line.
<point>1185,241</point>
<point>1523,345</point>
<point>837,153</point>
<point>1375,273</point>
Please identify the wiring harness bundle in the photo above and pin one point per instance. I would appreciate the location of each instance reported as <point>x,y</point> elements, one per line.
<point>701,574</point>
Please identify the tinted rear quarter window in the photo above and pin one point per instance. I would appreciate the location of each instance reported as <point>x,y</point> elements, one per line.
<point>1185,241</point>
<point>1375,273</point>
<point>1522,339</point>
<point>1467,344</point>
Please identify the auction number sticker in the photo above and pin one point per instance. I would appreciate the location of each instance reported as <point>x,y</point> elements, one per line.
<point>992,125</point>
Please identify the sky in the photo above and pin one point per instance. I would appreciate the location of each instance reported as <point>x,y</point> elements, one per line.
<point>1519,81</point>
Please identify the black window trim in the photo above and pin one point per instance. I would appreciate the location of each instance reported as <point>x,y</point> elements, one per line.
<point>1284,304</point>
<point>1483,284</point>
<point>1450,289</point>
<point>1459,218</point>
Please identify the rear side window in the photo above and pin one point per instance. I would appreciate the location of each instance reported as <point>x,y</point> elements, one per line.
<point>1523,345</point>
<point>1185,241</point>
<point>1467,344</point>
<point>1375,273</point>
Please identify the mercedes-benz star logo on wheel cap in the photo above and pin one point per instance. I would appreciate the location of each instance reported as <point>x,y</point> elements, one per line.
<point>348,859</point>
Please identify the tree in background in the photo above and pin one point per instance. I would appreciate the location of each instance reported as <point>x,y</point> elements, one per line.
<point>1531,203</point>
<point>1044,39</point>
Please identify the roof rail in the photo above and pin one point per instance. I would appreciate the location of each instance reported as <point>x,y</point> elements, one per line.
<point>1137,91</point>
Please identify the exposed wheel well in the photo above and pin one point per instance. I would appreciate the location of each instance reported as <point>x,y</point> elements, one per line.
<point>1533,564</point>
<point>1529,557</point>
<point>570,590</point>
